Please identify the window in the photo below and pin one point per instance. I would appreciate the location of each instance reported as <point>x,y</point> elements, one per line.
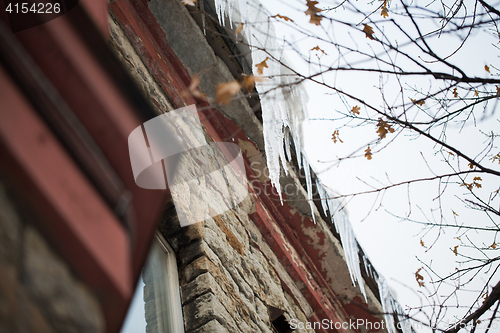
<point>278,321</point>
<point>156,306</point>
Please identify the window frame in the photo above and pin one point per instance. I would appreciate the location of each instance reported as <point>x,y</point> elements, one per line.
<point>169,310</point>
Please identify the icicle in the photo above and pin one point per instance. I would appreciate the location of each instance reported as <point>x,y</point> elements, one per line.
<point>307,173</point>
<point>220,8</point>
<point>347,237</point>
<point>287,146</point>
<point>390,307</point>
<point>368,266</point>
<point>278,114</point>
<point>230,12</point>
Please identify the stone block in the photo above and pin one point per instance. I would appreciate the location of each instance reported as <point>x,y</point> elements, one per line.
<point>18,312</point>
<point>231,238</point>
<point>65,301</point>
<point>239,310</point>
<point>192,251</point>
<point>229,259</point>
<point>203,284</point>
<point>183,34</point>
<point>212,326</point>
<point>197,267</point>
<point>132,61</point>
<point>205,309</point>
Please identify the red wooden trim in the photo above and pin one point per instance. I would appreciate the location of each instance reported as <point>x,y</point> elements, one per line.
<point>65,54</point>
<point>68,61</point>
<point>98,11</point>
<point>72,214</point>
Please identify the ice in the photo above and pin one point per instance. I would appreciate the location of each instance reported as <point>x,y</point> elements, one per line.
<point>283,110</point>
<point>391,306</point>
<point>220,8</point>
<point>347,236</point>
<point>307,174</point>
<point>283,103</point>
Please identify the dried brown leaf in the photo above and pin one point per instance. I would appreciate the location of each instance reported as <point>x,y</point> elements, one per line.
<point>286,18</point>
<point>368,153</point>
<point>239,29</point>
<point>249,81</point>
<point>383,127</point>
<point>261,65</point>
<point>419,278</point>
<point>496,158</point>
<point>226,91</point>
<point>419,102</point>
<point>317,48</point>
<point>193,88</point>
<point>368,31</point>
<point>336,137</point>
<point>384,13</point>
<point>469,186</point>
<point>313,11</point>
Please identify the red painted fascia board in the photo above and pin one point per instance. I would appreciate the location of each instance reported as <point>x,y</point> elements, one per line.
<point>323,309</point>
<point>98,12</point>
<point>141,8</point>
<point>64,52</point>
<point>72,214</point>
<point>356,308</point>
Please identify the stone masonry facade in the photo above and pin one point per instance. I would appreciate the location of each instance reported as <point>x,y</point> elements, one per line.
<point>227,281</point>
<point>231,279</point>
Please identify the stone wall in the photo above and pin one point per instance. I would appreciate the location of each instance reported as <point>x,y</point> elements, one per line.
<point>227,278</point>
<point>38,292</point>
<point>199,53</point>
